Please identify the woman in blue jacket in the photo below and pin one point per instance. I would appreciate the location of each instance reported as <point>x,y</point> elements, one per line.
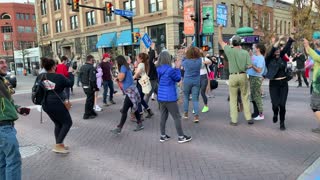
<point>167,95</point>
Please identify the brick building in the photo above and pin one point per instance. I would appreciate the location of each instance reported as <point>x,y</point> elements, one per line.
<point>18,29</point>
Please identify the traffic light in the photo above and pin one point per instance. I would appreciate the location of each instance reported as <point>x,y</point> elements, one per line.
<point>136,37</point>
<point>75,5</point>
<point>205,48</point>
<point>109,9</point>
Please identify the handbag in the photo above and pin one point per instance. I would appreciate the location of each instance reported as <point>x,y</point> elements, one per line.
<point>210,74</point>
<point>66,103</point>
<point>144,81</point>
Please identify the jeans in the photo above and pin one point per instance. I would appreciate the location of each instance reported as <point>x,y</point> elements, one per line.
<point>106,84</point>
<point>10,158</point>
<point>203,86</point>
<point>88,110</point>
<point>194,89</point>
<point>60,117</point>
<point>236,82</point>
<point>173,109</point>
<point>78,81</point>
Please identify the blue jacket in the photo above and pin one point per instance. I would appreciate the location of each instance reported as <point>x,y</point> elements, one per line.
<point>168,78</point>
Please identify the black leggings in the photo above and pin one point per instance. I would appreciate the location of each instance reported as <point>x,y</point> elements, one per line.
<point>127,104</point>
<point>279,92</point>
<point>143,102</point>
<point>60,117</point>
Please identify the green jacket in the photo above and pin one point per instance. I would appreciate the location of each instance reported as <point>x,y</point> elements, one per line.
<point>8,111</point>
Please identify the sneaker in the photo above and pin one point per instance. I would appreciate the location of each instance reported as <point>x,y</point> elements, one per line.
<point>205,109</point>
<point>59,148</point>
<point>250,122</point>
<point>193,112</point>
<point>316,130</point>
<point>97,108</point>
<point>112,102</point>
<point>185,115</point>
<point>89,117</point>
<point>116,130</point>
<point>196,119</point>
<point>139,127</point>
<point>164,138</point>
<point>233,124</point>
<point>259,117</point>
<point>184,139</point>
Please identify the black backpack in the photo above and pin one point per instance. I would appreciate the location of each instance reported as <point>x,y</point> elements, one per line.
<point>38,91</point>
<point>74,65</point>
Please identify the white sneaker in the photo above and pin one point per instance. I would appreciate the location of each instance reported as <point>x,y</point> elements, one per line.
<point>259,117</point>
<point>97,108</point>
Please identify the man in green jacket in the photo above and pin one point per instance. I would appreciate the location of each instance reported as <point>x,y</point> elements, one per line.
<point>10,159</point>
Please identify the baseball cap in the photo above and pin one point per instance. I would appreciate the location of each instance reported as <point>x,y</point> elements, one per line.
<point>316,35</point>
<point>235,40</point>
<point>106,55</point>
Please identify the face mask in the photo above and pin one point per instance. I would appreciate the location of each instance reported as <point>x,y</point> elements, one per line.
<point>254,51</point>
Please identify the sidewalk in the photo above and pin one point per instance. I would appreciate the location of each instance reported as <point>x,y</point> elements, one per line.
<point>312,172</point>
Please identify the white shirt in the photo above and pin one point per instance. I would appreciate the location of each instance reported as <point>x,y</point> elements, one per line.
<point>203,69</point>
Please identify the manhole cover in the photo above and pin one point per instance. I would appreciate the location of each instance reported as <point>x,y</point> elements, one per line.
<point>27,151</point>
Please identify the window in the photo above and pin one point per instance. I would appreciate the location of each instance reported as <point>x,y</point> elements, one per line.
<point>28,29</point>
<point>155,5</point>
<point>17,16</point>
<point>126,5</point>
<point>43,7</point>
<point>108,18</point>
<point>276,28</point>
<point>233,19</point>
<point>6,29</point>
<point>33,17</point>
<point>59,26</point>
<point>90,18</point>
<point>181,35</point>
<point>158,36</point>
<point>20,29</point>
<point>180,4</point>
<point>21,16</point>
<point>27,16</point>
<point>280,27</point>
<point>289,28</point>
<point>285,27</point>
<point>240,16</point>
<point>269,21</point>
<point>74,22</point>
<point>91,43</point>
<point>25,44</point>
<point>5,16</point>
<point>57,5</point>
<point>249,19</point>
<point>7,45</point>
<point>45,29</point>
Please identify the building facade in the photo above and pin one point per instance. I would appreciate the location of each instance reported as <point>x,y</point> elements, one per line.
<point>18,31</point>
<point>64,32</point>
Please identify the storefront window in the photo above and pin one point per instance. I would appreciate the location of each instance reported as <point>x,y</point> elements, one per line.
<point>158,36</point>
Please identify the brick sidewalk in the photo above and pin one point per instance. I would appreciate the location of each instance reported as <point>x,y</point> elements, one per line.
<point>217,151</point>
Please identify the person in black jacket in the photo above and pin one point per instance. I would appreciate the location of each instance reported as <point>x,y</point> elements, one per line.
<point>301,59</point>
<point>89,85</point>
<point>278,85</point>
<point>53,104</point>
<point>152,73</point>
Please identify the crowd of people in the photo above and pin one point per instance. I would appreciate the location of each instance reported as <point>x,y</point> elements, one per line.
<point>170,78</point>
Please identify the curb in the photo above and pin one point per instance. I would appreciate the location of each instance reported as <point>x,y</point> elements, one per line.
<point>312,172</point>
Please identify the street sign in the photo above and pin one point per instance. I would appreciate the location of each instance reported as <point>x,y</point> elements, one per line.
<point>146,40</point>
<point>222,15</point>
<point>121,12</point>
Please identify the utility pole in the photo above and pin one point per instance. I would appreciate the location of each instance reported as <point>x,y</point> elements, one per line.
<point>197,20</point>
<point>131,24</point>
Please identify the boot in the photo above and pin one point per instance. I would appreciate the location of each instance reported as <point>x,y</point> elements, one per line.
<point>282,126</point>
<point>150,113</point>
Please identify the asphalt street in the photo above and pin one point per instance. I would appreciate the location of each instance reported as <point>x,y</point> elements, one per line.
<point>217,151</point>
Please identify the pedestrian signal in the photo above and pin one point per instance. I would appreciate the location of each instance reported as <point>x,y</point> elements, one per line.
<point>205,48</point>
<point>136,37</point>
<point>109,9</point>
<point>75,5</point>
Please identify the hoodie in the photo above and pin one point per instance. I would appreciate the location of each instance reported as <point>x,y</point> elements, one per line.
<point>168,78</point>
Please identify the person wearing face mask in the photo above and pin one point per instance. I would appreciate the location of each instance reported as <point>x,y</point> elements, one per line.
<point>278,86</point>
<point>255,76</point>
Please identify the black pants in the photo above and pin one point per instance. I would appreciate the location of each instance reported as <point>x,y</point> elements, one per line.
<point>88,110</point>
<point>60,117</point>
<point>143,102</point>
<point>279,92</point>
<point>301,72</point>
<point>127,104</point>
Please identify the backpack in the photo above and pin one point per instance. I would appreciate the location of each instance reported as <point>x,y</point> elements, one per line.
<point>74,65</point>
<point>38,91</point>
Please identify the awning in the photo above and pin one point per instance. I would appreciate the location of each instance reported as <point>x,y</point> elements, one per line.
<point>125,38</point>
<point>107,40</point>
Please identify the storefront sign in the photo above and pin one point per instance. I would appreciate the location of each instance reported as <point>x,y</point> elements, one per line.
<point>208,23</point>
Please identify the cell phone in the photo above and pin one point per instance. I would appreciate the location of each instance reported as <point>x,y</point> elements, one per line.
<point>24,110</point>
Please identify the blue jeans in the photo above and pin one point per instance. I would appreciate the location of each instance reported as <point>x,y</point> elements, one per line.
<point>10,158</point>
<point>194,89</point>
<point>106,84</point>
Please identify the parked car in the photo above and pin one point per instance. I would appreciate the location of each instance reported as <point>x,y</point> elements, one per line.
<point>11,77</point>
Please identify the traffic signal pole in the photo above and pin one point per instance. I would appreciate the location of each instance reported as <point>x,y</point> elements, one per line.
<point>91,7</point>
<point>132,38</point>
<point>197,21</point>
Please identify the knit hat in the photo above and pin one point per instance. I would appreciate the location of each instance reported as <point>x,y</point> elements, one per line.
<point>106,55</point>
